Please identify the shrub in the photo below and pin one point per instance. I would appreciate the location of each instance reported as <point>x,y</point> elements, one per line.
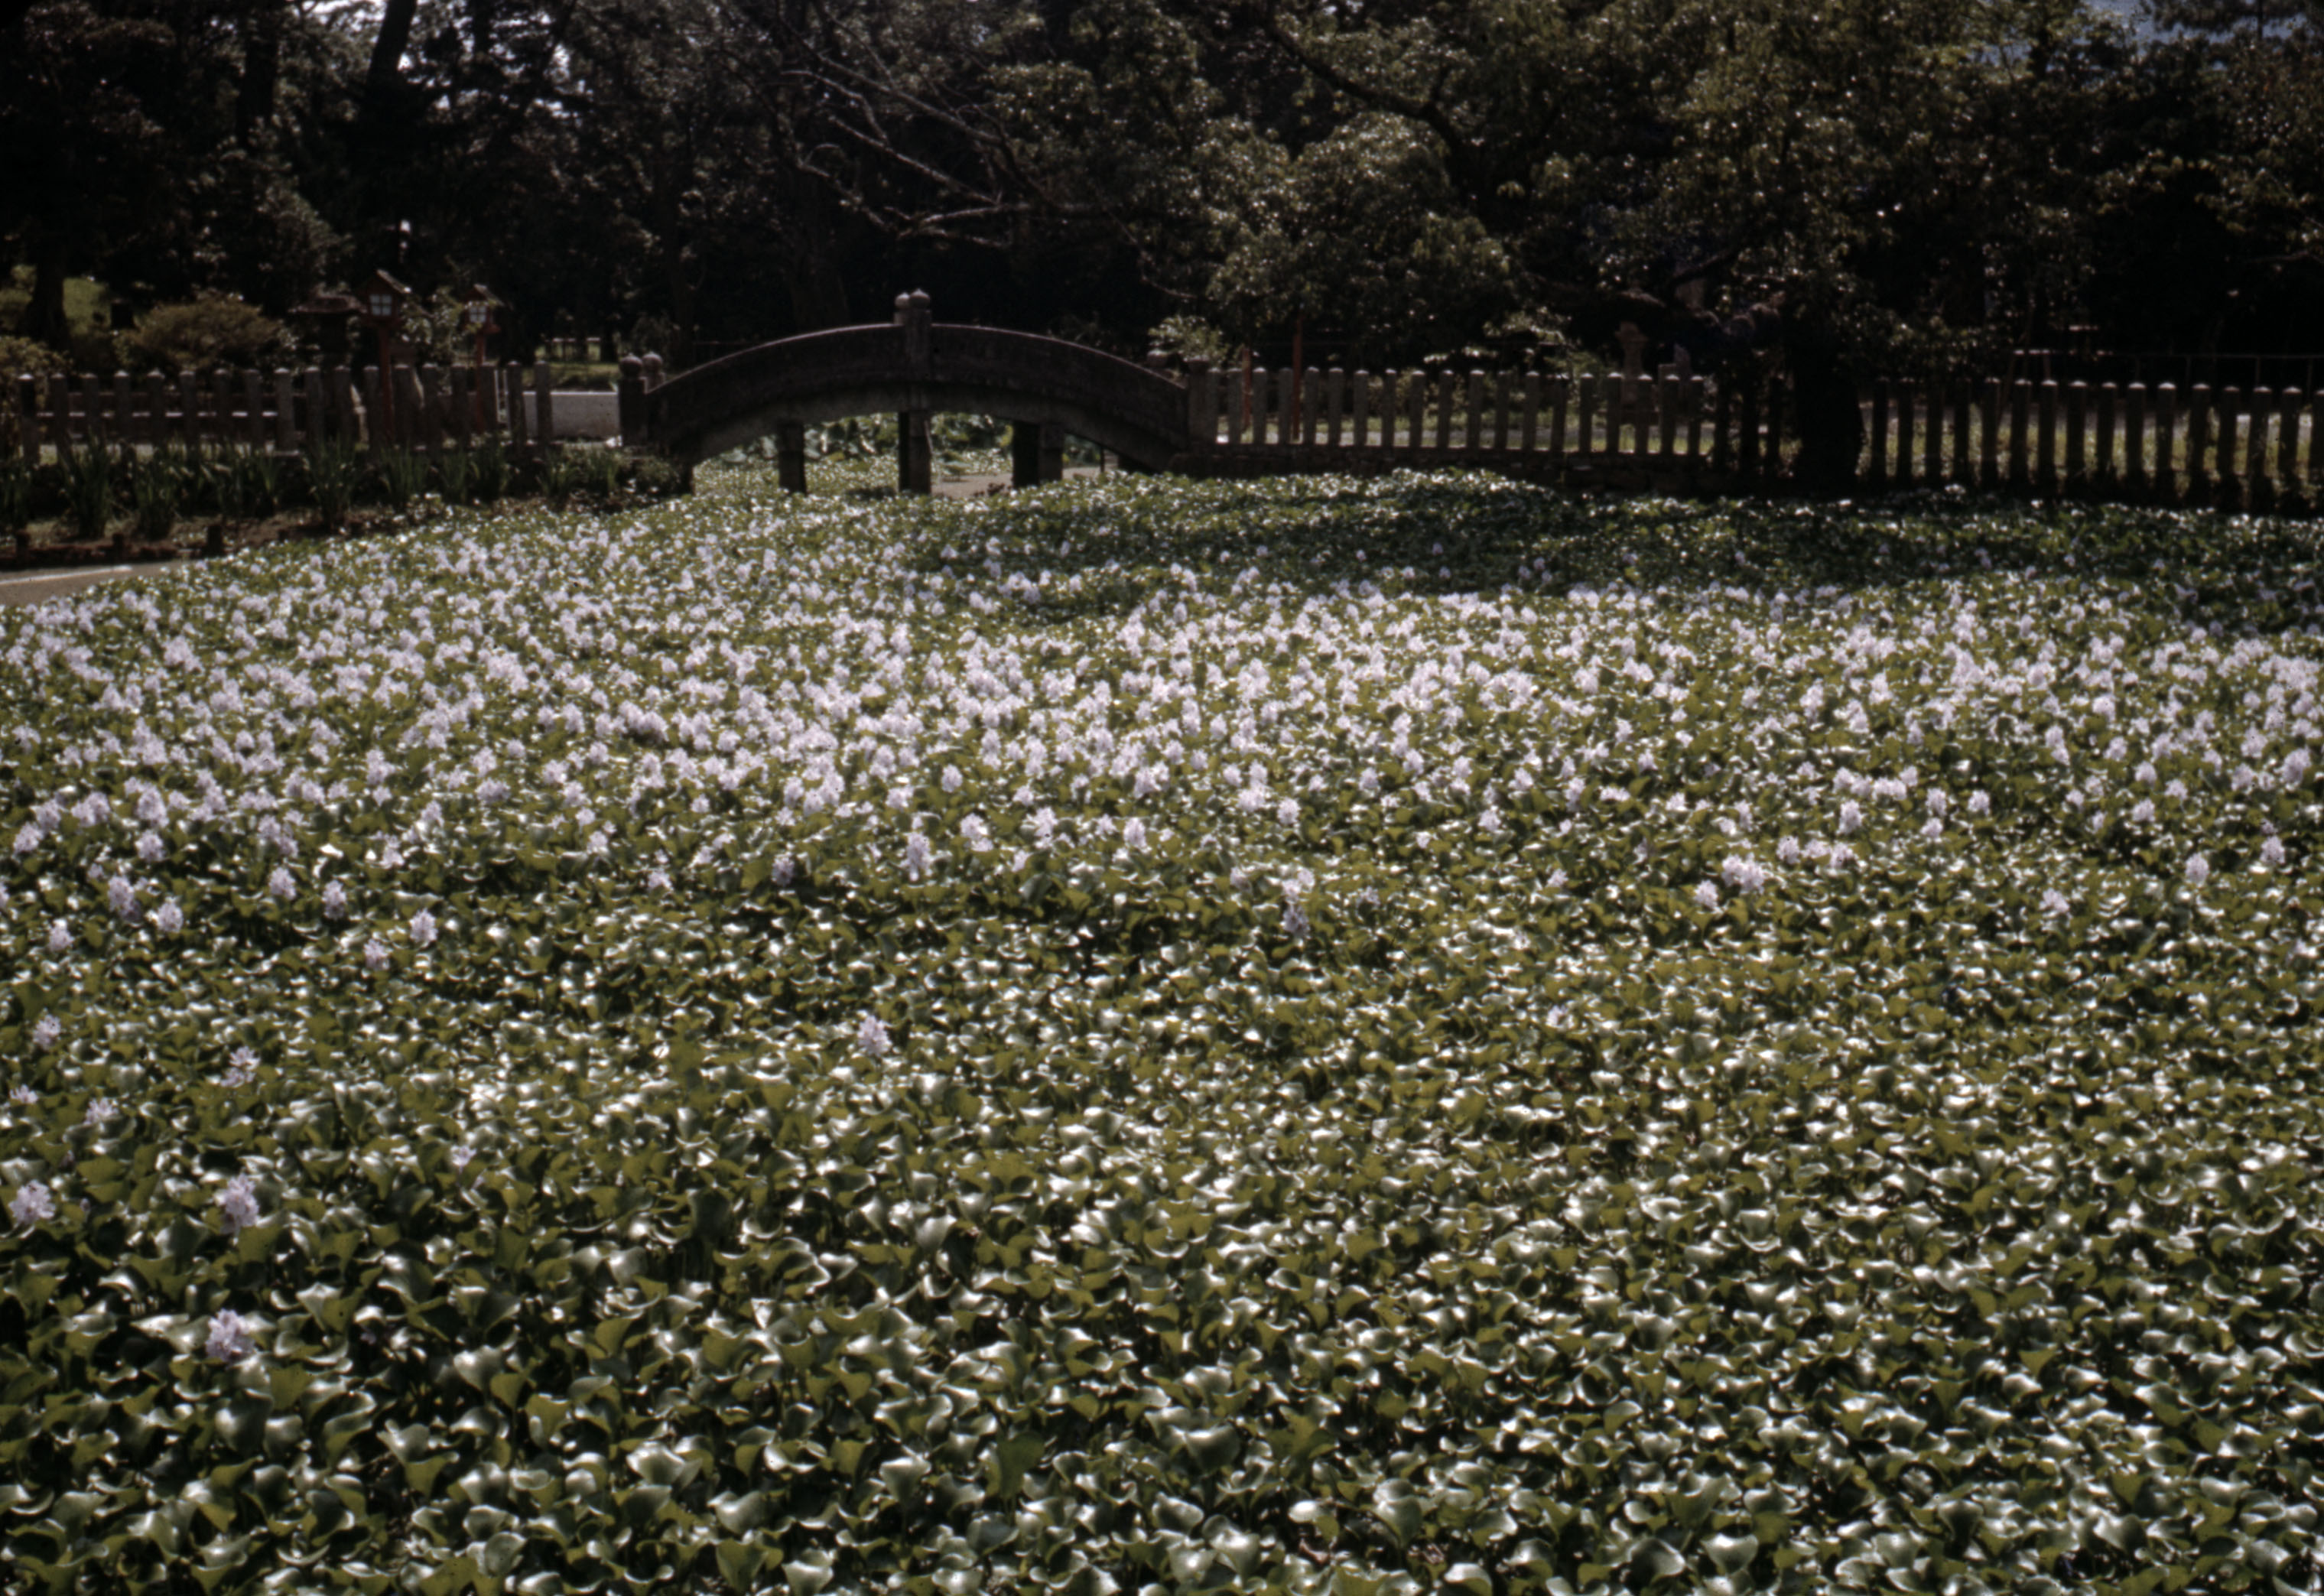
<point>19,355</point>
<point>210,331</point>
<point>488,472</point>
<point>249,483</point>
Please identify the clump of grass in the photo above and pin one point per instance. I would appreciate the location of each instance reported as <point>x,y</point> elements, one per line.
<point>400,475</point>
<point>334,472</point>
<point>88,491</point>
<point>156,490</point>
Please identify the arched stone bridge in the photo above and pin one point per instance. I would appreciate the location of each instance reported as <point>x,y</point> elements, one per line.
<point>917,366</point>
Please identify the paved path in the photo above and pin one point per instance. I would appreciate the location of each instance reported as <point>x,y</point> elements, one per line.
<point>41,586</point>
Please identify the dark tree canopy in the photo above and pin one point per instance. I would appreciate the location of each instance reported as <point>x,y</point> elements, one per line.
<point>1914,186</point>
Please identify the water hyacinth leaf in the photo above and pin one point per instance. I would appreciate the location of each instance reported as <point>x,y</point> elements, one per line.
<point>1846,1075</point>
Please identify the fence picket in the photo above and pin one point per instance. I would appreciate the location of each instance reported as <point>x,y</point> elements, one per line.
<point>2200,422</point>
<point>2046,467</point>
<point>1907,396</point>
<point>1693,402</point>
<point>2109,407</point>
<point>2166,443</point>
<point>1415,401</point>
<point>1334,396</point>
<point>1561,394</point>
<point>2287,441</point>
<point>2076,397</point>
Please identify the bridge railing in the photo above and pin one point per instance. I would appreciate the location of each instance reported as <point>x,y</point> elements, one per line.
<point>2235,446</point>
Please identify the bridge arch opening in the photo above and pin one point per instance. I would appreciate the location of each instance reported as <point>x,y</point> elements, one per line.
<point>965,454</point>
<point>1047,389</point>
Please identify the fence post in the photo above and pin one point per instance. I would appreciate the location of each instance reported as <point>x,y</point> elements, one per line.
<point>28,416</point>
<point>2077,396</point>
<point>632,402</point>
<point>1416,407</point>
<point>2198,444</point>
<point>460,406</point>
<point>2105,473</point>
<point>1529,412</point>
<point>520,429</point>
<point>544,408</point>
<point>1907,396</point>
<point>2166,444</point>
<point>2045,457</point>
<point>1310,406</point>
<point>1666,391</point>
<point>790,456</point>
<point>2134,442</point>
<point>2287,442</point>
<point>1691,388</point>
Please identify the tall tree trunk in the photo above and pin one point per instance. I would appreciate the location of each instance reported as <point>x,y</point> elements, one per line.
<point>1831,422</point>
<point>387,58</point>
<point>262,68</point>
<point>44,318</point>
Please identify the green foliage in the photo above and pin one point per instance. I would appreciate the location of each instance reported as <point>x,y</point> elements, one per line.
<point>334,473</point>
<point>15,493</point>
<point>655,1168</point>
<point>488,471</point>
<point>401,476</point>
<point>157,491</point>
<point>249,483</point>
<point>200,333</point>
<point>21,356</point>
<point>453,475</point>
<point>89,483</point>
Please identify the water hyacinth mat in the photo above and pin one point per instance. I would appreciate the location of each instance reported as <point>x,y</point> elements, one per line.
<point>1320,1036</point>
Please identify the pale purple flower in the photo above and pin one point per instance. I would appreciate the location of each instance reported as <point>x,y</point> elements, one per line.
<point>1840,858</point>
<point>121,896</point>
<point>952,778</point>
<point>873,1037</point>
<point>23,1097</point>
<point>1294,920</point>
<point>423,929</point>
<point>238,1205</point>
<point>29,837</point>
<point>281,884</point>
<point>2295,767</point>
<point>1741,875</point>
<point>230,1341</point>
<point>1133,833</point>
<point>1706,893</point>
<point>374,955</point>
<point>335,902</point>
<point>100,1110</point>
<point>657,881</point>
<point>31,1204</point>
<point>170,920</point>
<point>1787,852</point>
<point>2198,870</point>
<point>1043,826</point>
<point>150,847</point>
<point>2054,904</point>
<point>785,867</point>
<point>46,1031</point>
<point>916,856</point>
<point>460,1155</point>
<point>1980,803</point>
<point>1287,812</point>
<point>2271,853</point>
<point>1851,817</point>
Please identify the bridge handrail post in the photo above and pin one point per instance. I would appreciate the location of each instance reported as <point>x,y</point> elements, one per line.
<point>633,401</point>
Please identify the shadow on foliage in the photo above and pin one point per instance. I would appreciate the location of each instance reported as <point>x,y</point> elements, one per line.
<point>1471,534</point>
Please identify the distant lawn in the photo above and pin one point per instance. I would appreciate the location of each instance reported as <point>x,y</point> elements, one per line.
<point>1302,1035</point>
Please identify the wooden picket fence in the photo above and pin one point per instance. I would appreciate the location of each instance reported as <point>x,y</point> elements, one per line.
<point>2248,446</point>
<point>427,408</point>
